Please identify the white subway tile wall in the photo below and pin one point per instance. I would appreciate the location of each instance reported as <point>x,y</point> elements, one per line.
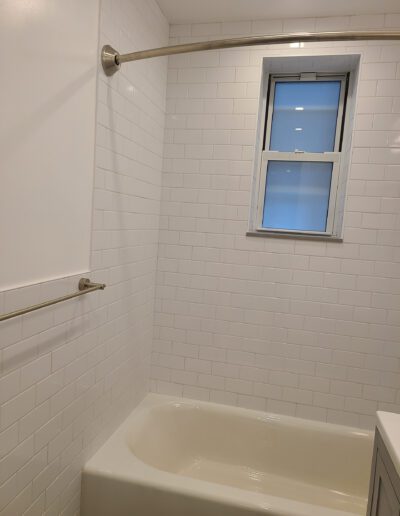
<point>297,327</point>
<point>70,373</point>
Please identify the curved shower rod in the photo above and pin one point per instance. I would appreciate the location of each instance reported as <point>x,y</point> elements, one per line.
<point>112,60</point>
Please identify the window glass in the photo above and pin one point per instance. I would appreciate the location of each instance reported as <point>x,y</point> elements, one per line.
<point>304,116</point>
<point>297,195</point>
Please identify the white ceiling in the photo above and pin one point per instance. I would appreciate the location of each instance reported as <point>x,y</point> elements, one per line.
<point>185,11</point>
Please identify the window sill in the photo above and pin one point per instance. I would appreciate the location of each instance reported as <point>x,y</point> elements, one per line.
<point>297,236</point>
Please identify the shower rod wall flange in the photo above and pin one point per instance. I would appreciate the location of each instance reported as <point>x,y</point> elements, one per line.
<point>109,60</point>
<point>112,60</point>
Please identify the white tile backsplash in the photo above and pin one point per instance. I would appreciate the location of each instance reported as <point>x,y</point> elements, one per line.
<point>304,328</point>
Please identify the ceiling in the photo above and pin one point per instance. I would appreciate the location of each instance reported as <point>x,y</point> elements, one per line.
<point>195,11</point>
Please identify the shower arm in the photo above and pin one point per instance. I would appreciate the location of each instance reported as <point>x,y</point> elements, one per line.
<point>111,59</point>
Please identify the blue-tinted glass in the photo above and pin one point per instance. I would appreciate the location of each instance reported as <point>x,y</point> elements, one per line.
<point>297,195</point>
<point>304,116</point>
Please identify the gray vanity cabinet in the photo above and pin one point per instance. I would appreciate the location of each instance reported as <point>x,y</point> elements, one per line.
<point>384,489</point>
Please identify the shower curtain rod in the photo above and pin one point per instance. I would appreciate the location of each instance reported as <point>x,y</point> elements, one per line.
<point>112,60</point>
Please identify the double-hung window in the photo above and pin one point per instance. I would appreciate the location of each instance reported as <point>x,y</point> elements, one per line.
<point>299,176</point>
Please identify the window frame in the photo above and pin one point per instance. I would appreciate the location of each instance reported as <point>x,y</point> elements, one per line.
<point>333,157</point>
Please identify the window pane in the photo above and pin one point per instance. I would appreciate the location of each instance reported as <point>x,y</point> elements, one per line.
<point>297,195</point>
<point>304,116</point>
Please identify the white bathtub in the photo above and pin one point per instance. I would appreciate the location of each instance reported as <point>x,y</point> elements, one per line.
<point>189,458</point>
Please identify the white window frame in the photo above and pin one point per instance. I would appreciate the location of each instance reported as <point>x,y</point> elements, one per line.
<point>298,156</point>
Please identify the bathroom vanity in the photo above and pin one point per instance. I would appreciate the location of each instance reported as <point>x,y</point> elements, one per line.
<point>384,491</point>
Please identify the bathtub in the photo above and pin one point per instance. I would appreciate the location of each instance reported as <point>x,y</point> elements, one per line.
<point>180,457</point>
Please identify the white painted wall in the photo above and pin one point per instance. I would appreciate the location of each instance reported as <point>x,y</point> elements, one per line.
<point>48,64</point>
<point>299,327</point>
<point>69,374</point>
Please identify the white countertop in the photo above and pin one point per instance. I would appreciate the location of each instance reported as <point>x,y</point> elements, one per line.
<point>389,428</point>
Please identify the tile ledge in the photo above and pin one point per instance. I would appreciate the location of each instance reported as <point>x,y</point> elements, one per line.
<point>296,236</point>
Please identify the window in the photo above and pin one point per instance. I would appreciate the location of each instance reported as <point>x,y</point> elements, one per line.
<point>301,155</point>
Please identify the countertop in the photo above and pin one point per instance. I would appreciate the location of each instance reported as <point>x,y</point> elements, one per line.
<point>389,428</point>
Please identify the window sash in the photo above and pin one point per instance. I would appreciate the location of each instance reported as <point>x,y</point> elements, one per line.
<point>327,157</point>
<point>298,78</point>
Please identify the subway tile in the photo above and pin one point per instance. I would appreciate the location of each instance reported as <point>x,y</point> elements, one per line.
<point>367,21</point>
<point>17,407</point>
<point>329,401</point>
<point>267,26</point>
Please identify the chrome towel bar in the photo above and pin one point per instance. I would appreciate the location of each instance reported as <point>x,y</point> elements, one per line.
<point>85,286</point>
